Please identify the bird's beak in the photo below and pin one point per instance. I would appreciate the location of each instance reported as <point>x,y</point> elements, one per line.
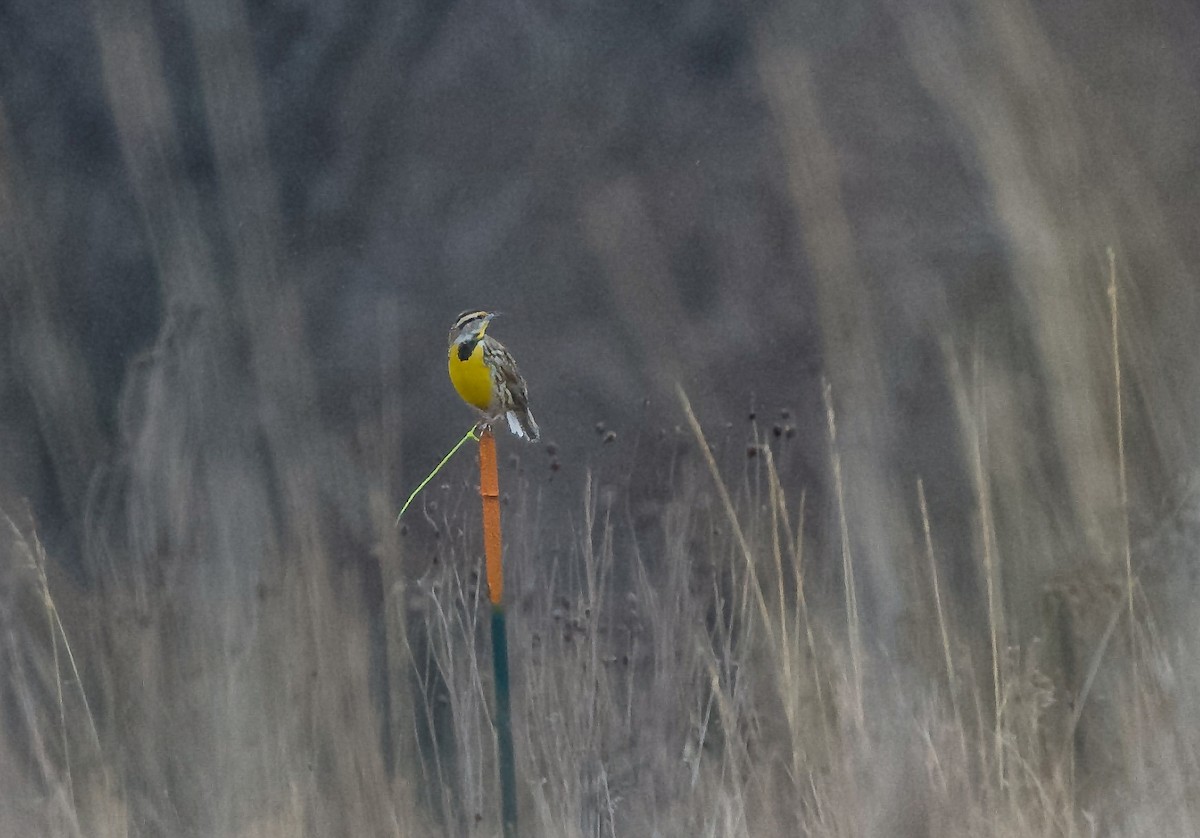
<point>486,321</point>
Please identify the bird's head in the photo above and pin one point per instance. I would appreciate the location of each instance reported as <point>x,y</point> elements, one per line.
<point>470,326</point>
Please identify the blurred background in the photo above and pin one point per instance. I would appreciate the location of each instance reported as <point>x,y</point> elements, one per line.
<point>234,234</point>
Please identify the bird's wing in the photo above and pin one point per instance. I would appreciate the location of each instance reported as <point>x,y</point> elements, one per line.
<point>507,367</point>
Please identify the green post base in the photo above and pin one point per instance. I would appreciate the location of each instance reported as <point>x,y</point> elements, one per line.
<point>504,742</point>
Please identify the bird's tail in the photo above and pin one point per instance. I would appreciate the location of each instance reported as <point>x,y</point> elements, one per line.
<point>521,424</point>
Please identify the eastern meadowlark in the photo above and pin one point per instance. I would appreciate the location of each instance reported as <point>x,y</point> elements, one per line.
<point>485,375</point>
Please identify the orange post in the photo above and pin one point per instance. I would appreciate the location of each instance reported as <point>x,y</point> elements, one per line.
<point>489,490</point>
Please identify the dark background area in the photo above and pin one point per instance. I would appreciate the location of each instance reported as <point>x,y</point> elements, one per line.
<point>612,177</point>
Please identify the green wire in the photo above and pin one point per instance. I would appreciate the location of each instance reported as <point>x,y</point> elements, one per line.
<point>469,435</point>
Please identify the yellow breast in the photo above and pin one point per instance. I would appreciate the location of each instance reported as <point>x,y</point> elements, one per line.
<point>471,378</point>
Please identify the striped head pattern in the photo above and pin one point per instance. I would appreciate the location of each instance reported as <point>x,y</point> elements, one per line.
<point>470,326</point>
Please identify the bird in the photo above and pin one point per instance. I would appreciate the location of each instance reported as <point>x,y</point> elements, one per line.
<point>486,376</point>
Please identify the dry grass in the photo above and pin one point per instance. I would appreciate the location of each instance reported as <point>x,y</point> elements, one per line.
<point>680,679</point>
